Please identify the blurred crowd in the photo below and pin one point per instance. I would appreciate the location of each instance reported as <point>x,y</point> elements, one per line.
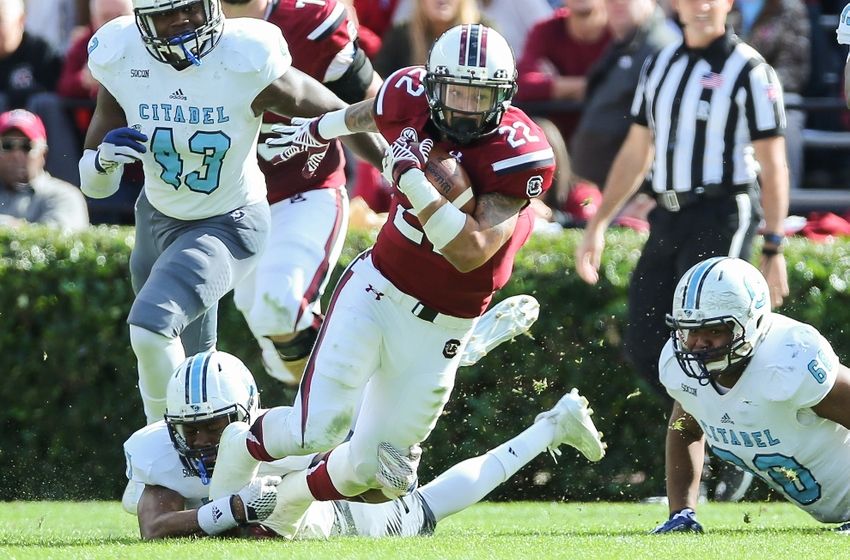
<point>578,62</point>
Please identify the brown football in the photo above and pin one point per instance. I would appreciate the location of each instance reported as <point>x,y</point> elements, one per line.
<point>449,178</point>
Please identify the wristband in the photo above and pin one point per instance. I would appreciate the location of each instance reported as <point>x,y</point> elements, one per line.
<point>332,125</point>
<point>771,251</point>
<point>773,238</point>
<point>444,225</point>
<point>216,517</point>
<point>93,183</point>
<point>419,191</point>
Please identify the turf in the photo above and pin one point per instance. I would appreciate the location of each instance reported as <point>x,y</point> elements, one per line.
<point>491,530</point>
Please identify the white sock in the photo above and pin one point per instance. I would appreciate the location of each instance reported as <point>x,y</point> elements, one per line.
<point>468,482</point>
<point>158,356</point>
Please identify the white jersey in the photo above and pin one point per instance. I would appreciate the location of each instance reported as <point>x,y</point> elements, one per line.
<point>152,460</point>
<point>765,424</point>
<point>202,134</point>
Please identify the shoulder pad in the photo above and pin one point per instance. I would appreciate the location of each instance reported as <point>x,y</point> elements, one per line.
<point>109,43</point>
<point>144,449</point>
<point>249,43</point>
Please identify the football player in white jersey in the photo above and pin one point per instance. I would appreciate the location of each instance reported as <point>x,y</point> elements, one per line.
<point>765,392</point>
<point>173,459</point>
<point>843,35</point>
<point>184,91</point>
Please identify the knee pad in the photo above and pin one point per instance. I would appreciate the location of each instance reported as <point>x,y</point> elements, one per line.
<point>300,346</point>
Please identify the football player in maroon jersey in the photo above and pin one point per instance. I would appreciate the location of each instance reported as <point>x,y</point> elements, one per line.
<point>403,311</point>
<point>281,298</point>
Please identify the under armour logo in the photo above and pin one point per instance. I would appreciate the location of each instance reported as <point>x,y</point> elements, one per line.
<point>378,295</point>
<point>450,349</point>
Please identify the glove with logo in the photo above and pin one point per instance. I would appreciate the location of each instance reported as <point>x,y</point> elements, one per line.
<point>119,146</point>
<point>402,156</point>
<point>682,521</point>
<point>300,136</point>
<point>843,30</point>
<point>259,498</point>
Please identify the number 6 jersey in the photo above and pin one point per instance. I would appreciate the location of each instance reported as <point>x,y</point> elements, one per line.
<point>515,161</point>
<point>202,134</point>
<point>765,423</point>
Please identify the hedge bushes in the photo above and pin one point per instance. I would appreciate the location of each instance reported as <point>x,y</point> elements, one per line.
<point>68,373</point>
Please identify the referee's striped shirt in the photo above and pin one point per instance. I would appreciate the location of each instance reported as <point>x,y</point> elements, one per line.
<point>704,108</point>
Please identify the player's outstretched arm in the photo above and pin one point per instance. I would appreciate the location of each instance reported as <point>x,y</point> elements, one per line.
<point>684,455</point>
<point>295,94</point>
<point>161,510</point>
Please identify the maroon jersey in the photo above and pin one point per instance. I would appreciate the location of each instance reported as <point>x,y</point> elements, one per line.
<point>516,161</point>
<point>315,32</point>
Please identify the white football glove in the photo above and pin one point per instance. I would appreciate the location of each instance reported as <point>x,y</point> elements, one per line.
<point>401,157</point>
<point>259,498</point>
<point>397,470</point>
<point>120,146</point>
<point>843,30</point>
<point>300,136</point>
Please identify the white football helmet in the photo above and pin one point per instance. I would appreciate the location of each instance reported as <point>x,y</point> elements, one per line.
<point>205,387</point>
<point>470,82</point>
<point>189,46</point>
<point>719,291</point>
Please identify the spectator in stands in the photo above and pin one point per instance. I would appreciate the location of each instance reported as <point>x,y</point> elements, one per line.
<point>779,30</point>
<point>558,54</point>
<point>515,20</point>
<point>639,30</point>
<point>27,192</point>
<point>407,43</point>
<point>55,21</point>
<point>28,64</point>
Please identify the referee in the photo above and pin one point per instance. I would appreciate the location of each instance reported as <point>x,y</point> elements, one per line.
<point>708,127</point>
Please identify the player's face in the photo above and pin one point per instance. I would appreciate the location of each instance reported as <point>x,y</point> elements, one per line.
<point>204,434</point>
<point>709,338</point>
<point>468,99</point>
<point>179,20</point>
<point>21,159</point>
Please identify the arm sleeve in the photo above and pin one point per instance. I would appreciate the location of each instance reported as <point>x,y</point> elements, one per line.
<point>764,105</point>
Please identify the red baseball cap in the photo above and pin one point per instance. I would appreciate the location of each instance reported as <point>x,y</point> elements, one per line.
<point>30,125</point>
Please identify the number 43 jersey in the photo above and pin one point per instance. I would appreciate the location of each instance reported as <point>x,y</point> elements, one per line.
<point>765,423</point>
<point>202,134</point>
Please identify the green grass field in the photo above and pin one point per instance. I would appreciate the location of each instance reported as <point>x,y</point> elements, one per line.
<point>88,530</point>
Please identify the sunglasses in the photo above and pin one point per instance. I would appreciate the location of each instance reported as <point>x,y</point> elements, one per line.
<point>8,145</point>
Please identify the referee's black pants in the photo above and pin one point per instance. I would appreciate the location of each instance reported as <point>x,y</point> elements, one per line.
<point>677,241</point>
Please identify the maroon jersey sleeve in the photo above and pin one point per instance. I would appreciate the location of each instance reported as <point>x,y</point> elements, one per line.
<point>316,32</point>
<point>401,103</point>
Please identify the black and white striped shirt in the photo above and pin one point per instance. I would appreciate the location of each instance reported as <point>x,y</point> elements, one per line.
<point>704,108</point>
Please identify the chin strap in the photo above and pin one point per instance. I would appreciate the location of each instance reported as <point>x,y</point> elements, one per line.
<point>181,40</point>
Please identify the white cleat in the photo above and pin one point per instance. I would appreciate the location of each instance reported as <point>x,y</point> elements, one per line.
<point>574,426</point>
<point>506,320</point>
<point>397,470</point>
<point>234,466</point>
<point>288,514</point>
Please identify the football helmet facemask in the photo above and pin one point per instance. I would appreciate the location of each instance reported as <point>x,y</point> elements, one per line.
<point>186,47</point>
<point>716,292</point>
<point>470,81</point>
<point>207,387</point>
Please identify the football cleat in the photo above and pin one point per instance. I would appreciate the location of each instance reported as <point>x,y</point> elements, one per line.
<point>234,466</point>
<point>506,320</point>
<point>288,514</point>
<point>397,470</point>
<point>574,426</point>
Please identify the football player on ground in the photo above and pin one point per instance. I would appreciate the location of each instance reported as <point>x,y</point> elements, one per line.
<point>185,94</point>
<point>174,458</point>
<point>403,311</point>
<point>766,392</point>
<point>280,298</point>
